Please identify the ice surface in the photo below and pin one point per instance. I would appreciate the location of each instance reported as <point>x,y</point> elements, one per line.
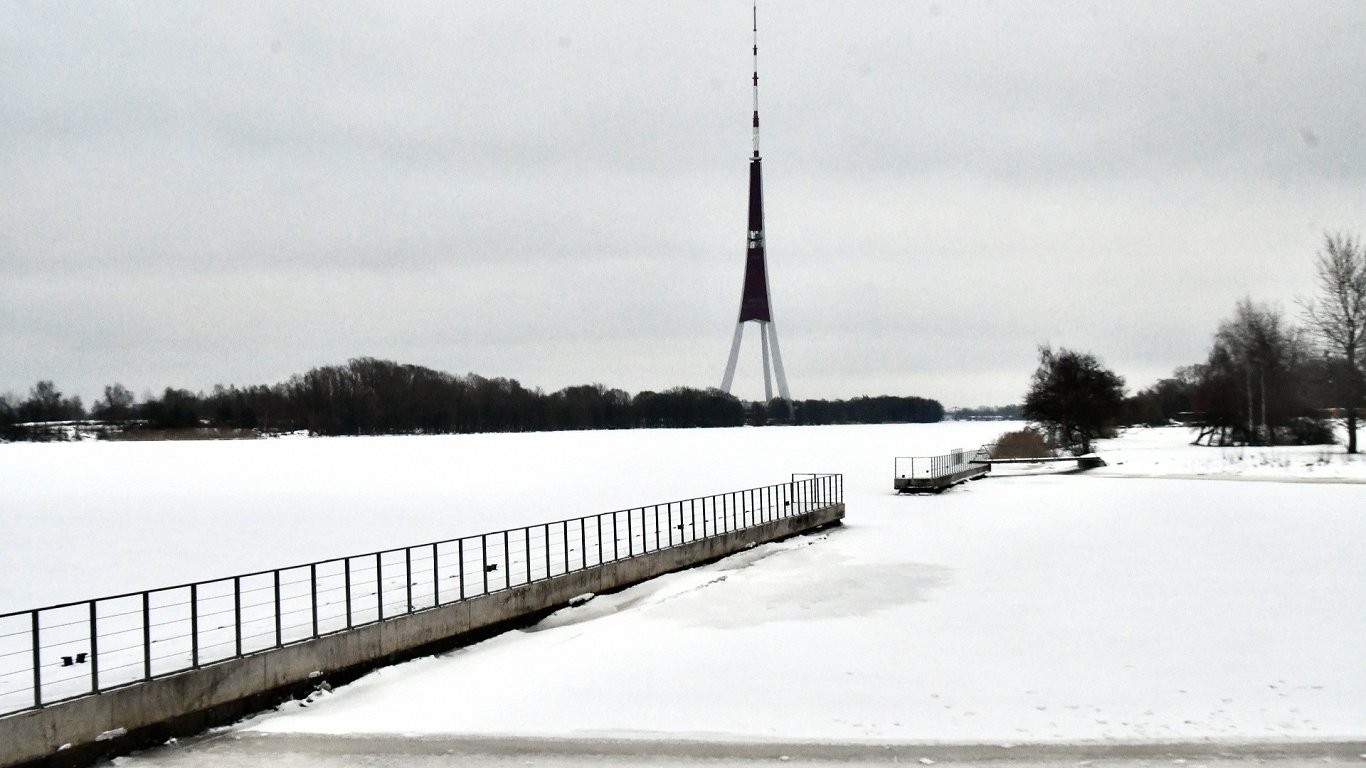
<point>1024,609</point>
<point>1103,607</point>
<point>99,518</point>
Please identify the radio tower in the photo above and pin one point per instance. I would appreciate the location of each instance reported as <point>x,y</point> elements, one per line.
<point>755,304</point>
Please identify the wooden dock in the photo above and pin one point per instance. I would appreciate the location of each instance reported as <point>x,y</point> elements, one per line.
<point>933,474</point>
<point>1085,461</point>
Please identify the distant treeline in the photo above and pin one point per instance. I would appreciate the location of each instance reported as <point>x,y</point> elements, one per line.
<point>367,396</point>
<point>989,413</point>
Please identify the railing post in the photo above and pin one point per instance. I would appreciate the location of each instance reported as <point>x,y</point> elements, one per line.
<point>408,576</point>
<point>37,661</point>
<point>616,540</point>
<point>279,623</point>
<point>507,562</point>
<point>194,626</point>
<point>583,543</point>
<point>313,594</point>
<point>94,649</point>
<point>656,525</point>
<point>527,530</point>
<point>436,577</point>
<point>484,559</point>
<point>600,552</point>
<point>379,586</point>
<point>146,636</point>
<point>237,614</point>
<point>460,563</point>
<point>346,570</point>
<point>630,536</point>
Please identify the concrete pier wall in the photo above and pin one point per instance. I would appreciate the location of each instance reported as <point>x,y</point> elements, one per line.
<point>81,730</point>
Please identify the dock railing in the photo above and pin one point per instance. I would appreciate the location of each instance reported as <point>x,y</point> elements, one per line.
<point>62,652</point>
<point>943,465</point>
<point>914,474</point>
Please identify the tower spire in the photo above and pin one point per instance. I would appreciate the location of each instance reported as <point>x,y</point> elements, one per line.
<point>755,303</point>
<point>756,77</point>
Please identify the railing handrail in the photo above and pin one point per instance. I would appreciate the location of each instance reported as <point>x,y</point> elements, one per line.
<point>939,464</point>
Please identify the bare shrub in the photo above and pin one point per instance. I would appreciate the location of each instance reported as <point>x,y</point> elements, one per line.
<point>189,433</point>
<point>1027,443</point>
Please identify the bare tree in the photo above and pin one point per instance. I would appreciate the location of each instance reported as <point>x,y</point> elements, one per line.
<point>46,403</point>
<point>1073,395</point>
<point>1253,387</point>
<point>116,405</point>
<point>1257,340</point>
<point>1336,316</point>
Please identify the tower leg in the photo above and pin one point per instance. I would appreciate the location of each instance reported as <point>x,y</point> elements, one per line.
<point>734,356</point>
<point>763,344</point>
<point>772,329</point>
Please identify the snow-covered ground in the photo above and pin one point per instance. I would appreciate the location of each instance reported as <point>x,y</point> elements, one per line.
<point>1167,452</point>
<point>1130,604</point>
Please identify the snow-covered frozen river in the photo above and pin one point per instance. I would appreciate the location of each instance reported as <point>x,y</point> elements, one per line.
<point>1128,605</point>
<point>96,518</point>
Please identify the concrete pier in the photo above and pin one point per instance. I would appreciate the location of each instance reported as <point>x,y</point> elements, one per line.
<point>79,731</point>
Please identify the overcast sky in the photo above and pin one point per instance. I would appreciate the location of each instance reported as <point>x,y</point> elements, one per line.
<point>201,193</point>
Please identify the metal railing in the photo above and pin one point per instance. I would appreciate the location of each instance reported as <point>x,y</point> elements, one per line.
<point>61,652</point>
<point>931,467</point>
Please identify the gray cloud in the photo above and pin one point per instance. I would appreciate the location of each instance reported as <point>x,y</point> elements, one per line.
<point>235,192</point>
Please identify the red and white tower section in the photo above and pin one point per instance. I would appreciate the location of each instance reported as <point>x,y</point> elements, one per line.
<point>756,305</point>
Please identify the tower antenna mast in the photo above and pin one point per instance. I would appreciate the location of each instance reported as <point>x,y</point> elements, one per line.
<point>755,10</point>
<point>755,303</point>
